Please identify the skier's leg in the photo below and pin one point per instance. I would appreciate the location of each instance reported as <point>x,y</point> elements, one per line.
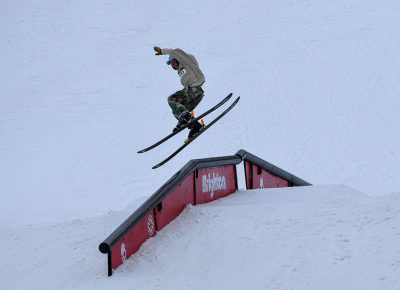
<point>176,102</point>
<point>184,101</point>
<point>194,98</point>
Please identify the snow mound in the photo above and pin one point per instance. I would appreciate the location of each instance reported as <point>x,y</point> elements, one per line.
<point>317,237</point>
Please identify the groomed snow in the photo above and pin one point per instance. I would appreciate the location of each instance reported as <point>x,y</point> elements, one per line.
<point>319,237</point>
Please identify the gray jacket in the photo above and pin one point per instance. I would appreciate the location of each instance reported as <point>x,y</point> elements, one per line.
<point>189,71</point>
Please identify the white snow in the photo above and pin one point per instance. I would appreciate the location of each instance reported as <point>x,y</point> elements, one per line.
<point>81,91</point>
<point>319,237</point>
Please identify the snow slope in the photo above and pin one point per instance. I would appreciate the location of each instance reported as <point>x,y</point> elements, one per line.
<point>319,237</point>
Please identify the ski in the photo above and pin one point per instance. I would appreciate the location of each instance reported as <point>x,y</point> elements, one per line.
<point>197,135</point>
<point>192,121</point>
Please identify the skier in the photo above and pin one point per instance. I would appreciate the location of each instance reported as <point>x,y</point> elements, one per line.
<point>184,101</point>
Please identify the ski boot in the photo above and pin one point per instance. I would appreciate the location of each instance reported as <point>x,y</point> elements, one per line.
<point>195,128</point>
<point>183,119</point>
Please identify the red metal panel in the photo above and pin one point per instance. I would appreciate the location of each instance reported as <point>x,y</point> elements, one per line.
<point>248,168</point>
<point>132,241</point>
<point>264,179</point>
<point>216,182</point>
<point>175,202</point>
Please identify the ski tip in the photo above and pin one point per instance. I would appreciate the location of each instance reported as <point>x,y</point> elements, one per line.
<point>156,166</point>
<point>141,151</point>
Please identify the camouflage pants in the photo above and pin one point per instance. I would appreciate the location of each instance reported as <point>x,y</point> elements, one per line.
<point>185,100</point>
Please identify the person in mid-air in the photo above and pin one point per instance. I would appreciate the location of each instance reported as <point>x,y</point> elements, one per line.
<point>184,101</point>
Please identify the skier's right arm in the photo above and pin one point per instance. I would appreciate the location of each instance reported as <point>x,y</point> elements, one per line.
<point>178,54</point>
<point>164,51</point>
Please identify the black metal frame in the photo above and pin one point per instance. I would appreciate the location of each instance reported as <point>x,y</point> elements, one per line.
<point>159,195</point>
<point>192,166</point>
<point>294,180</point>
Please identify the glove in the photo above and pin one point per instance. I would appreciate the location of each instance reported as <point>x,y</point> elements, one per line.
<point>158,50</point>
